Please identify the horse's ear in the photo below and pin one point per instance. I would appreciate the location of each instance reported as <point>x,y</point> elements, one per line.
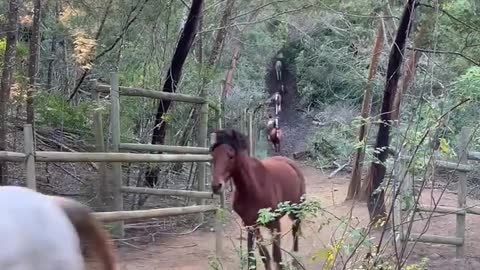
<point>213,138</point>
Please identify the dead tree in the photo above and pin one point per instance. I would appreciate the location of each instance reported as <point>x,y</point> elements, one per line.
<point>376,194</point>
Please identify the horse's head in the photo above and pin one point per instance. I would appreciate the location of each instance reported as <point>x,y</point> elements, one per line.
<point>225,150</point>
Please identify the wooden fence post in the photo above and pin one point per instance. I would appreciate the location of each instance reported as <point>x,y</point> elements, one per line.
<point>202,142</point>
<point>29,149</point>
<point>101,184</point>
<point>462,189</point>
<point>251,141</point>
<point>220,214</point>
<point>115,180</point>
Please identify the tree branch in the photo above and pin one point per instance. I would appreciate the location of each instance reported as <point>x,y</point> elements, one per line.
<point>446,52</point>
<point>114,44</point>
<point>452,17</point>
<point>261,20</point>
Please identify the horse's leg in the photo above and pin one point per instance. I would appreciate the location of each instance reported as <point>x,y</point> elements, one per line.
<point>276,251</point>
<point>295,230</point>
<point>263,250</point>
<point>250,252</point>
<point>295,233</point>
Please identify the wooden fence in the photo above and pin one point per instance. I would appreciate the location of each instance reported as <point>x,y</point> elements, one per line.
<point>461,168</point>
<point>114,188</point>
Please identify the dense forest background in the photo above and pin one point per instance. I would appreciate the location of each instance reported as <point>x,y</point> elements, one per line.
<point>336,57</point>
<point>60,46</point>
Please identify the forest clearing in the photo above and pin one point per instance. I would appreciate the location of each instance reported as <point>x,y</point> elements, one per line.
<point>239,134</point>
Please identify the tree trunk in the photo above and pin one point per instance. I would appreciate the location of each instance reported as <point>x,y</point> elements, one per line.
<point>33,61</point>
<point>221,33</point>
<point>376,195</point>
<point>6,82</point>
<point>354,189</point>
<point>236,46</point>
<point>173,78</point>
<point>212,62</point>
<point>410,68</point>
<point>53,50</point>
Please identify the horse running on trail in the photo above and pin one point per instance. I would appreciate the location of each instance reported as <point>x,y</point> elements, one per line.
<point>278,103</point>
<point>41,232</point>
<point>258,184</point>
<point>274,134</point>
<point>278,70</point>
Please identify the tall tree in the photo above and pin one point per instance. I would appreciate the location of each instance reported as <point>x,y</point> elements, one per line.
<point>174,74</point>
<point>376,198</point>
<point>354,189</point>
<point>236,46</point>
<point>53,47</point>
<point>209,68</point>
<point>409,69</point>
<point>6,82</point>
<point>221,33</point>
<point>33,60</point>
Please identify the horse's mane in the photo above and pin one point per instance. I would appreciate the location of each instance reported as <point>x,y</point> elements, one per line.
<point>235,139</point>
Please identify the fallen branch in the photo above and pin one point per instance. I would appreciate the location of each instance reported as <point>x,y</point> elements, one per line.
<point>45,139</point>
<point>340,167</point>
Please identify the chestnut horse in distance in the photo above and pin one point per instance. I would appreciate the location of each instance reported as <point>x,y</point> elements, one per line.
<point>258,184</point>
<point>40,232</point>
<point>274,135</point>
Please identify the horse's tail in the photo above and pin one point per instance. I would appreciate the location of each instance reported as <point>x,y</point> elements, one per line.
<point>89,229</point>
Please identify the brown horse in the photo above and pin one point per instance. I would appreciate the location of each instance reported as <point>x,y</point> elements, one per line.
<point>275,136</point>
<point>258,184</point>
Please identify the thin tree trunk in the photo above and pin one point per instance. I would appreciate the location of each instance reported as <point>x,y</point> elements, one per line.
<point>376,195</point>
<point>53,50</point>
<point>6,82</point>
<point>236,46</point>
<point>410,68</point>
<point>173,78</point>
<point>354,189</point>
<point>33,61</point>
<point>221,33</point>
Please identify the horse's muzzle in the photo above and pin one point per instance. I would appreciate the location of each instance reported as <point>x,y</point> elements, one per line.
<point>217,189</point>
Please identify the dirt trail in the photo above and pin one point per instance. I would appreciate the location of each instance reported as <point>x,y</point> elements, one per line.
<point>295,125</point>
<point>195,251</point>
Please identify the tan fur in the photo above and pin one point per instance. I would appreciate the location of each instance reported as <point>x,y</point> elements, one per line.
<point>89,230</point>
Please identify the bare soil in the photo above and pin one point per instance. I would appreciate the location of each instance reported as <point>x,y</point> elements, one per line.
<point>195,250</point>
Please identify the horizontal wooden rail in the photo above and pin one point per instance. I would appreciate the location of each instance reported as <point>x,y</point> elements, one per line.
<point>164,148</point>
<point>152,213</point>
<point>427,238</point>
<point>441,209</point>
<point>450,210</point>
<point>12,156</point>
<point>473,155</point>
<point>453,165</point>
<point>138,92</point>
<point>169,192</point>
<point>45,156</point>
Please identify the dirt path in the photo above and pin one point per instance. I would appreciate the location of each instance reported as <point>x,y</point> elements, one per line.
<point>195,251</point>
